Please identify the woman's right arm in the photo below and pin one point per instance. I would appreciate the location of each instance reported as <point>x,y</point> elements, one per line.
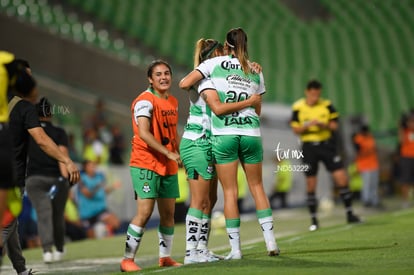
<point>146,135</point>
<point>190,79</point>
<point>212,99</point>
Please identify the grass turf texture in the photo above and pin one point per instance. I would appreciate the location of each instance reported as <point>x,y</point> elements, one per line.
<point>382,244</point>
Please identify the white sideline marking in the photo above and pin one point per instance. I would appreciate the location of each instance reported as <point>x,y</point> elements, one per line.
<point>403,212</point>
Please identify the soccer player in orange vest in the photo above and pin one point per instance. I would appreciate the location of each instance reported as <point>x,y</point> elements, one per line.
<point>154,164</point>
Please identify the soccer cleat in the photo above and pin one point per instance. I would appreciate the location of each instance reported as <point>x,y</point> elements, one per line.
<point>58,256</point>
<point>27,272</point>
<point>313,227</point>
<point>353,219</point>
<point>208,256</point>
<point>128,265</point>
<point>168,261</point>
<point>275,252</point>
<point>194,257</point>
<point>272,249</point>
<point>220,257</point>
<point>47,257</point>
<point>234,255</point>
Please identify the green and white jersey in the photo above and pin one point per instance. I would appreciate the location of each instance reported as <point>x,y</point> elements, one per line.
<point>233,85</point>
<point>199,119</point>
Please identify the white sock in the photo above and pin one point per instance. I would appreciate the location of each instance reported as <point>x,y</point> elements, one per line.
<point>266,224</point>
<point>204,233</point>
<point>133,239</point>
<point>193,226</point>
<point>234,238</point>
<point>165,241</point>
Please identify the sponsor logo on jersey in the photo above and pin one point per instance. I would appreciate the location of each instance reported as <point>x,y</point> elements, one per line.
<point>227,65</point>
<point>228,121</point>
<point>169,112</point>
<point>236,77</point>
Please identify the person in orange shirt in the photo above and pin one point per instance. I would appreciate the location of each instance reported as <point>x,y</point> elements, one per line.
<point>406,135</point>
<point>154,164</point>
<point>367,165</point>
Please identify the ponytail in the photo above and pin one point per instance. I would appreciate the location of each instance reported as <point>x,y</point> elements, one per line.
<point>205,49</point>
<point>199,45</point>
<point>236,40</point>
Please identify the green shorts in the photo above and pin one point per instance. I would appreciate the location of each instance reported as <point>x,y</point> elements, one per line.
<point>149,185</point>
<point>197,158</point>
<point>228,148</point>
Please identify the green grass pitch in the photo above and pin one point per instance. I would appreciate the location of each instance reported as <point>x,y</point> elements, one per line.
<point>383,244</point>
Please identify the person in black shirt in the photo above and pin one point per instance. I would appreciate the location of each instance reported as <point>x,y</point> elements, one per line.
<point>47,186</point>
<point>24,122</point>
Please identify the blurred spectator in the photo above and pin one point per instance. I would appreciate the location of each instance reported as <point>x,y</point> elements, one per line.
<point>406,169</point>
<point>74,228</point>
<point>73,152</point>
<point>94,149</point>
<point>367,165</point>
<point>405,117</point>
<point>117,146</point>
<point>28,225</point>
<point>355,181</point>
<point>92,205</point>
<point>99,117</point>
<point>283,183</point>
<point>100,122</point>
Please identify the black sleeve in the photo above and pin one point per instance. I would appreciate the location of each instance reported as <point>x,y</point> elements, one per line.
<point>30,117</point>
<point>334,114</point>
<point>331,108</point>
<point>62,138</point>
<point>295,116</point>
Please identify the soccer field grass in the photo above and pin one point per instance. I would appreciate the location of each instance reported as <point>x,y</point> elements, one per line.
<point>384,244</point>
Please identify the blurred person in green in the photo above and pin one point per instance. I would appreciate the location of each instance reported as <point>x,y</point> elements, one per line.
<point>242,188</point>
<point>283,183</point>
<point>355,181</point>
<point>94,148</point>
<point>73,224</point>
<point>181,206</point>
